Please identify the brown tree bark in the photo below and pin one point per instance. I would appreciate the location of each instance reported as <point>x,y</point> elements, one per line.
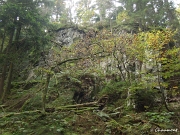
<point>2,43</point>
<point>9,79</point>
<point>3,74</point>
<point>2,80</point>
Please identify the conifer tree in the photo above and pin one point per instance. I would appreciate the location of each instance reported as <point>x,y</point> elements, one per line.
<point>23,27</point>
<point>148,13</point>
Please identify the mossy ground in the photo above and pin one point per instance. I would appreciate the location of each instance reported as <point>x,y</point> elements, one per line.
<point>22,114</point>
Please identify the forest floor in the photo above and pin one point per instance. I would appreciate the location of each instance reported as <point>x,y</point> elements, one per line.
<point>22,114</point>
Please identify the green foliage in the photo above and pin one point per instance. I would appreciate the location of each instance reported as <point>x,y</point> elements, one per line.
<point>115,91</point>
<point>33,103</point>
<point>163,117</point>
<point>113,87</point>
<point>144,99</point>
<point>33,123</point>
<point>121,17</point>
<point>148,13</point>
<point>7,133</point>
<point>2,57</point>
<point>113,127</point>
<point>85,72</point>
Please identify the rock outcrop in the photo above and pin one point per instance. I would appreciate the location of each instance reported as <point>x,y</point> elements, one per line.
<point>66,36</point>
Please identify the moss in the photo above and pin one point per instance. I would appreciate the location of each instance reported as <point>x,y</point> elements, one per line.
<point>23,84</point>
<point>33,103</point>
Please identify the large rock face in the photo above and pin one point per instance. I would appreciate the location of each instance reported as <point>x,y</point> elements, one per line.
<point>66,36</point>
<point>62,37</point>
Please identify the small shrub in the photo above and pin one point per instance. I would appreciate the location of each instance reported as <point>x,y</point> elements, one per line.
<point>33,103</point>
<point>144,99</point>
<point>114,90</point>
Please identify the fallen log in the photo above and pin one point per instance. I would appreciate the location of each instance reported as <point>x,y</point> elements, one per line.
<point>9,114</point>
<point>90,104</point>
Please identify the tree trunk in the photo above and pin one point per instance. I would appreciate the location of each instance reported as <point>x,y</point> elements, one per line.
<point>2,80</point>
<point>3,74</point>
<point>162,91</point>
<point>18,31</point>
<point>9,79</point>
<point>1,85</point>
<point>45,91</point>
<point>2,43</point>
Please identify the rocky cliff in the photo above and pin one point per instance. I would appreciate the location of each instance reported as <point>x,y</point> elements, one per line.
<point>66,36</point>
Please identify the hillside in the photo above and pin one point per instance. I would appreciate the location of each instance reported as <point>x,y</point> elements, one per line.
<point>89,67</point>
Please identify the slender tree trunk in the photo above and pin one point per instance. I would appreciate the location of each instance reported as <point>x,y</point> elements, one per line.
<point>57,17</point>
<point>162,91</point>
<point>9,79</point>
<point>2,43</point>
<point>18,31</point>
<point>1,85</point>
<point>122,75</point>
<point>2,75</point>
<point>110,24</point>
<point>101,18</point>
<point>2,80</point>
<point>45,91</point>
